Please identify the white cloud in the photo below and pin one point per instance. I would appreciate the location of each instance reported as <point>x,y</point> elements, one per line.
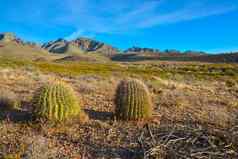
<point>122,17</point>
<point>186,14</point>
<point>139,12</point>
<point>116,17</point>
<point>75,35</point>
<point>80,33</point>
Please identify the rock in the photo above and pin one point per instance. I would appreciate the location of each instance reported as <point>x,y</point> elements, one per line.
<point>141,50</point>
<point>7,37</point>
<point>168,52</point>
<point>11,37</point>
<point>80,45</point>
<point>58,46</point>
<point>90,45</point>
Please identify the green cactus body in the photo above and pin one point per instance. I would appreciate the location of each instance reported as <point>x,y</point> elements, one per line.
<point>133,101</point>
<point>56,102</point>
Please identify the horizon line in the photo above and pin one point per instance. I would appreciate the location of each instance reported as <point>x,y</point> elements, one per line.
<point>212,51</point>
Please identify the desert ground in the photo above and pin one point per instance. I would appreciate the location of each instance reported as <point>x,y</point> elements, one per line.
<point>195,111</point>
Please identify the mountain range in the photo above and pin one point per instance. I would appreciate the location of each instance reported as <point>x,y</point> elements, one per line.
<point>92,50</point>
<point>80,45</point>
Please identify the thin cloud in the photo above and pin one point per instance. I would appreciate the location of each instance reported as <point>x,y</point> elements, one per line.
<point>79,33</point>
<point>139,12</point>
<point>75,35</point>
<point>113,17</point>
<point>186,14</point>
<point>105,17</point>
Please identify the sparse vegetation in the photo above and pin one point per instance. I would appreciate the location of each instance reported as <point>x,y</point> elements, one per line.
<point>230,83</point>
<point>8,100</point>
<point>195,109</point>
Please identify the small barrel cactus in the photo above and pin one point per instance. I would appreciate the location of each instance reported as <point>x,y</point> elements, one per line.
<point>56,102</point>
<point>133,101</point>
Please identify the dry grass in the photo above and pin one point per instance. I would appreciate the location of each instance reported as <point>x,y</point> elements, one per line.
<point>190,141</point>
<point>8,100</point>
<point>198,117</point>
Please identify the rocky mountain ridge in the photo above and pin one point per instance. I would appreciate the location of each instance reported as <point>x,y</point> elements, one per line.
<point>171,52</point>
<point>136,49</point>
<point>86,45</point>
<point>11,37</point>
<point>80,45</point>
<point>85,48</point>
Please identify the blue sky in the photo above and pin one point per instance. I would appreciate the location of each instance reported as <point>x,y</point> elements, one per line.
<point>207,25</point>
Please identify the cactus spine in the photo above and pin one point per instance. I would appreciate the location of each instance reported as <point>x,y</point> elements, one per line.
<point>133,100</point>
<point>56,102</point>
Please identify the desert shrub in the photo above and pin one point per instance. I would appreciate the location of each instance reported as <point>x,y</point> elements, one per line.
<point>230,72</point>
<point>8,100</point>
<point>133,101</point>
<point>56,101</point>
<point>11,156</point>
<point>230,83</point>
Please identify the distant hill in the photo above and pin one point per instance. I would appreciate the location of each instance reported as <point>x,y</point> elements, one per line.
<point>84,58</point>
<point>220,58</point>
<point>62,46</point>
<point>59,50</point>
<point>187,56</point>
<point>141,54</point>
<point>136,49</point>
<point>12,46</point>
<point>84,49</point>
<point>167,52</point>
<point>131,57</point>
<point>90,45</point>
<point>80,45</point>
<point>9,37</point>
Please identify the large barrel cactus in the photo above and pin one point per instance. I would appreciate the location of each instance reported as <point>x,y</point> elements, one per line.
<point>56,102</point>
<point>133,101</point>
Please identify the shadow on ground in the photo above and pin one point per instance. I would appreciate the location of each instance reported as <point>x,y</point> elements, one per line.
<point>16,116</point>
<point>96,115</point>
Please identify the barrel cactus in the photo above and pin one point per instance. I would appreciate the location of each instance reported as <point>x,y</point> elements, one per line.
<point>133,101</point>
<point>56,102</point>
